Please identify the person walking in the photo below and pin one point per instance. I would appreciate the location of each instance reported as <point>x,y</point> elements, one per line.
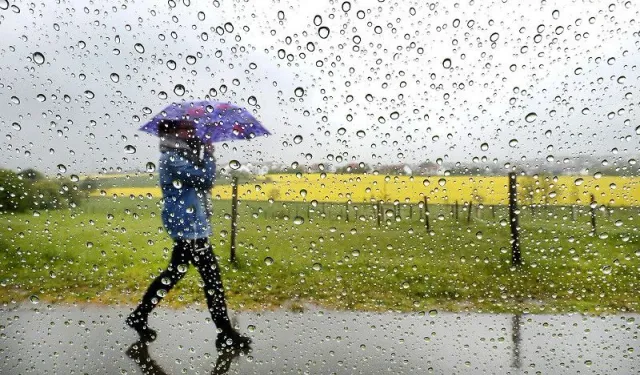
<point>187,172</point>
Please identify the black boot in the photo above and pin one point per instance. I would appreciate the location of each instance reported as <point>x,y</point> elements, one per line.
<point>139,323</point>
<point>230,340</point>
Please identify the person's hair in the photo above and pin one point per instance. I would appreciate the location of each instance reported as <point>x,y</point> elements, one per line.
<point>171,126</point>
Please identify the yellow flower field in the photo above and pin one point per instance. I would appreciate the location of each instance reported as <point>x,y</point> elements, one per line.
<point>561,190</point>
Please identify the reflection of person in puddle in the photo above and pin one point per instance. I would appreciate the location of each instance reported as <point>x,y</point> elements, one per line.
<point>187,172</point>
<point>139,352</point>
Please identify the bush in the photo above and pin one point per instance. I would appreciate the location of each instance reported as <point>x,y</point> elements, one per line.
<point>89,184</point>
<point>52,195</point>
<point>31,175</point>
<point>15,192</point>
<point>19,194</point>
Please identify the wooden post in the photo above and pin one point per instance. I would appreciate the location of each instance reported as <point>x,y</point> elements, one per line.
<point>410,211</point>
<point>427,225</point>
<point>346,211</point>
<point>593,213</point>
<point>234,218</point>
<point>573,212</point>
<point>456,211</point>
<point>469,213</point>
<point>493,211</point>
<point>379,213</point>
<point>516,257</point>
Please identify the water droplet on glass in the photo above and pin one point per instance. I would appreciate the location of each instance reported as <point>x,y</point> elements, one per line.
<point>323,32</point>
<point>484,146</point>
<point>342,131</point>
<point>34,299</point>
<point>317,266</point>
<point>191,59</point>
<point>442,182</point>
<point>578,181</point>
<point>234,164</point>
<point>129,149</point>
<point>494,37</point>
<point>513,142</point>
<point>4,4</point>
<point>268,261</point>
<point>89,94</point>
<point>16,126</point>
<point>299,91</point>
<point>252,100</point>
<point>139,48</point>
<point>433,313</point>
<point>38,58</point>
<point>15,100</point>
<point>62,168</point>
<point>531,117</point>
<point>179,89</point>
<point>150,167</point>
<point>297,139</point>
<point>446,63</point>
<point>177,184</point>
<point>171,64</point>
<point>361,134</point>
<point>41,98</point>
<point>346,6</point>
<point>115,77</point>
<point>298,220</point>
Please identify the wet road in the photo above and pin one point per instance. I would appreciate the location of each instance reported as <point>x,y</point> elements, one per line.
<point>38,339</point>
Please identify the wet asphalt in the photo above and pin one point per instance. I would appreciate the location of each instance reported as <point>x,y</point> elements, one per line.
<point>58,339</point>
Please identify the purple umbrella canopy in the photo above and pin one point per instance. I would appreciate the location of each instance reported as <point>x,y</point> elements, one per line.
<point>214,121</point>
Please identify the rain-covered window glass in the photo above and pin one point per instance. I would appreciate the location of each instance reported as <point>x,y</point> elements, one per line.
<point>344,187</point>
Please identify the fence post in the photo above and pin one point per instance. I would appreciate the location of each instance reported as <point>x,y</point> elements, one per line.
<point>410,211</point>
<point>234,218</point>
<point>379,213</point>
<point>456,210</point>
<point>516,257</point>
<point>427,225</point>
<point>493,211</point>
<point>573,212</point>
<point>346,211</point>
<point>469,213</point>
<point>593,213</point>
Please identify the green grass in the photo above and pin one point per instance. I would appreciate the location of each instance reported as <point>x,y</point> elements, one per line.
<point>142,179</point>
<point>108,251</point>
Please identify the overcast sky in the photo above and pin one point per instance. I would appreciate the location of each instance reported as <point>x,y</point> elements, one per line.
<point>393,82</point>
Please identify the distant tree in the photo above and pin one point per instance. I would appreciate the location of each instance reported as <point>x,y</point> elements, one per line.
<point>89,184</point>
<point>14,192</point>
<point>393,169</point>
<point>31,174</point>
<point>354,168</point>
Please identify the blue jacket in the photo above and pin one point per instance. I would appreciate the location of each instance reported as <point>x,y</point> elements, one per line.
<point>184,186</point>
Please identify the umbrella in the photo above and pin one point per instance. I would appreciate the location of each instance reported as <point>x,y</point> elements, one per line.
<point>214,121</point>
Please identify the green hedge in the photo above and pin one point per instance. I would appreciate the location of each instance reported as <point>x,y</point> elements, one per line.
<point>19,194</point>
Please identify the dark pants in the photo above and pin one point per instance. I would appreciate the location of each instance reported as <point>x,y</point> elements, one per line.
<point>199,253</point>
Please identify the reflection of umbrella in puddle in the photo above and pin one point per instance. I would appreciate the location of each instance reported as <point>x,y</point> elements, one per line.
<point>139,353</point>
